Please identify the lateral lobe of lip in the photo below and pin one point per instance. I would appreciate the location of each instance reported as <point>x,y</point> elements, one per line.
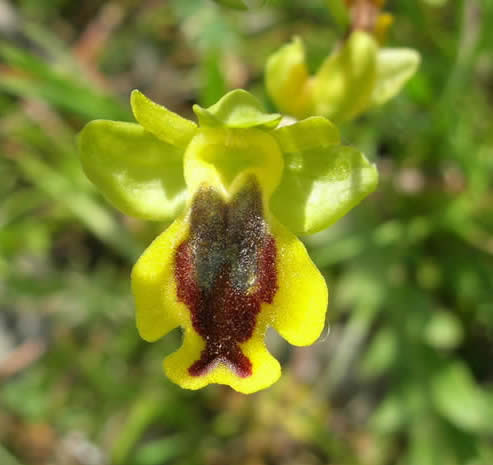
<point>224,271</point>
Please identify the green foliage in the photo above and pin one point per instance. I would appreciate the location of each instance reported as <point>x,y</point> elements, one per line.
<point>404,375</point>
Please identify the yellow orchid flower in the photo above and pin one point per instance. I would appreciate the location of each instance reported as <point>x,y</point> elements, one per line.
<point>228,267</point>
<point>356,76</point>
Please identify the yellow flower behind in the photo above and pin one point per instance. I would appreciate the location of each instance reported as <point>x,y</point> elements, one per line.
<point>358,74</point>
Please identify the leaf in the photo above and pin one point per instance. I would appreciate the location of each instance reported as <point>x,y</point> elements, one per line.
<point>381,353</point>
<point>425,443</point>
<point>62,89</point>
<point>161,451</point>
<point>138,173</point>
<point>395,66</point>
<point>459,399</point>
<point>444,330</point>
<point>242,4</point>
<point>390,415</point>
<point>142,413</point>
<point>164,124</point>
<point>237,109</point>
<point>238,4</point>
<point>322,181</point>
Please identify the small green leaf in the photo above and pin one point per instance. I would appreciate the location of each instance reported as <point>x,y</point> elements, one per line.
<point>390,415</point>
<point>425,443</point>
<point>164,124</point>
<point>322,181</point>
<point>160,451</point>
<point>459,399</point>
<point>238,4</point>
<point>138,173</point>
<point>237,109</point>
<point>395,66</point>
<point>381,353</point>
<point>444,330</point>
<point>242,4</point>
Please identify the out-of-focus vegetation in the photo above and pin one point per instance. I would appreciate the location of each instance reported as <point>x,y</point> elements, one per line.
<point>405,375</point>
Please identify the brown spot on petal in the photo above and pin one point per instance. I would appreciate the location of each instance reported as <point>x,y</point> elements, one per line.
<point>224,271</point>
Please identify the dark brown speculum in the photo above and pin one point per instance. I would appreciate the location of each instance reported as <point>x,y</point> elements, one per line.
<point>224,271</point>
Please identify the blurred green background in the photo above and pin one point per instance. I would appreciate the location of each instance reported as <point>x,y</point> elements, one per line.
<point>405,375</point>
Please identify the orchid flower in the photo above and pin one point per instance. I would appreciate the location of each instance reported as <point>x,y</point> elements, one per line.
<point>237,188</point>
<point>357,75</point>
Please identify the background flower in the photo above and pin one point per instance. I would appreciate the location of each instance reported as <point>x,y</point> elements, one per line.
<point>355,76</point>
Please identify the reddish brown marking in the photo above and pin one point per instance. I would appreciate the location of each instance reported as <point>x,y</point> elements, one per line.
<point>224,272</point>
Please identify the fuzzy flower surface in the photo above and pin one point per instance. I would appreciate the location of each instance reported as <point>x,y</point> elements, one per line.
<point>238,189</point>
<point>357,75</point>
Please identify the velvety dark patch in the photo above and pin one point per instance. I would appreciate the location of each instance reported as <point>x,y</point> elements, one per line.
<point>224,271</point>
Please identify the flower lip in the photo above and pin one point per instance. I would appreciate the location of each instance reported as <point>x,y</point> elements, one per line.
<point>224,271</point>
